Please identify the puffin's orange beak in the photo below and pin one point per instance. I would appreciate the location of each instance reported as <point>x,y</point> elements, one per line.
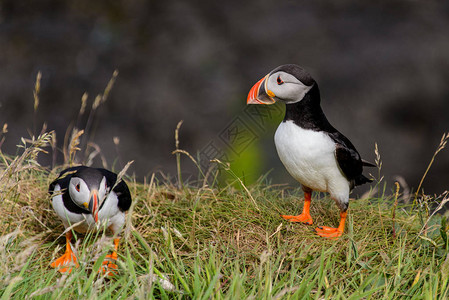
<point>93,204</point>
<point>258,93</point>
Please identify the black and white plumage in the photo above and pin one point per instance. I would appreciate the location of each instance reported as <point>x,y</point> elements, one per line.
<point>89,197</point>
<point>76,201</point>
<point>312,150</point>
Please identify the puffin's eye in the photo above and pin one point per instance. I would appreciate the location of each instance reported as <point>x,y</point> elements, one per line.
<point>77,187</point>
<point>279,80</point>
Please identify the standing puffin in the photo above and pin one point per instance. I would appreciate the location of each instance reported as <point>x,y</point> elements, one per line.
<point>311,149</point>
<point>83,196</point>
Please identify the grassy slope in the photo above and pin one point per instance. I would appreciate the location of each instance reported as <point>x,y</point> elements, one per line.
<point>216,242</point>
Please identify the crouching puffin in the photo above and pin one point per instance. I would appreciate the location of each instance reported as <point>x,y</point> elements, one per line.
<point>88,197</point>
<point>311,149</point>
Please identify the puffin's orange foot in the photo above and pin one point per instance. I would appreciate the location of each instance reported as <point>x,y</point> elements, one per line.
<point>303,218</point>
<point>65,263</point>
<point>328,232</point>
<point>109,267</point>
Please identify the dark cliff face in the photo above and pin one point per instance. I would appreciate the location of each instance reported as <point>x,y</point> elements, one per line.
<point>382,71</point>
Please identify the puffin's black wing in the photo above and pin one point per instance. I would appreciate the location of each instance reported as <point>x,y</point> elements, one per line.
<point>63,180</point>
<point>348,159</point>
<point>121,189</point>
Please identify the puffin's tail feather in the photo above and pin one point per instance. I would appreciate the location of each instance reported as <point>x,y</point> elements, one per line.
<point>366,163</point>
<point>362,180</point>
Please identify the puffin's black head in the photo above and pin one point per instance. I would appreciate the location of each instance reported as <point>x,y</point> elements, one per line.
<point>287,83</point>
<point>88,188</point>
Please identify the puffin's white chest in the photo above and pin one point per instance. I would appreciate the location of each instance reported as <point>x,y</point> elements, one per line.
<point>109,215</point>
<point>309,156</point>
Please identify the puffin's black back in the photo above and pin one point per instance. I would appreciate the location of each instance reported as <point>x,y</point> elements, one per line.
<point>121,189</point>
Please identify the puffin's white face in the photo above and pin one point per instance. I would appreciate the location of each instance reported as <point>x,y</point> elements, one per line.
<point>287,83</point>
<point>89,197</point>
<point>286,87</point>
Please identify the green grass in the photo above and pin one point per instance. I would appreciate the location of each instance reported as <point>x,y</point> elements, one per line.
<point>214,242</point>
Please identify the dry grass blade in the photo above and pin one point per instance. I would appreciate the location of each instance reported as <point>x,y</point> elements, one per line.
<point>94,153</point>
<point>179,151</point>
<point>120,176</point>
<point>109,86</point>
<point>440,147</point>
<point>5,128</point>
<point>83,104</point>
<point>378,162</point>
<point>36,91</point>
<point>228,169</point>
<point>178,156</point>
<point>73,145</point>
<point>82,109</point>
<point>2,133</point>
<point>96,103</point>
<point>53,145</point>
<point>122,173</point>
<point>445,200</point>
<point>396,194</point>
<point>406,195</point>
<point>285,291</point>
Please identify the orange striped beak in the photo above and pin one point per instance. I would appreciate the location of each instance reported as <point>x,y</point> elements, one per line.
<point>258,93</point>
<point>93,205</point>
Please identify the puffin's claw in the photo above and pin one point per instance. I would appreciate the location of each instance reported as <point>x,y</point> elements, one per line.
<point>329,232</point>
<point>303,218</point>
<point>109,268</point>
<point>65,263</point>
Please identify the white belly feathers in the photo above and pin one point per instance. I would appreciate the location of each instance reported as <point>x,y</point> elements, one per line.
<point>109,214</point>
<point>309,156</point>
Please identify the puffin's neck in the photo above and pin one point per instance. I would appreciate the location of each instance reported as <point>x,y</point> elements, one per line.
<point>307,113</point>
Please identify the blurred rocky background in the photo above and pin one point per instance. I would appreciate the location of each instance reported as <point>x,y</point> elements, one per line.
<point>382,68</point>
